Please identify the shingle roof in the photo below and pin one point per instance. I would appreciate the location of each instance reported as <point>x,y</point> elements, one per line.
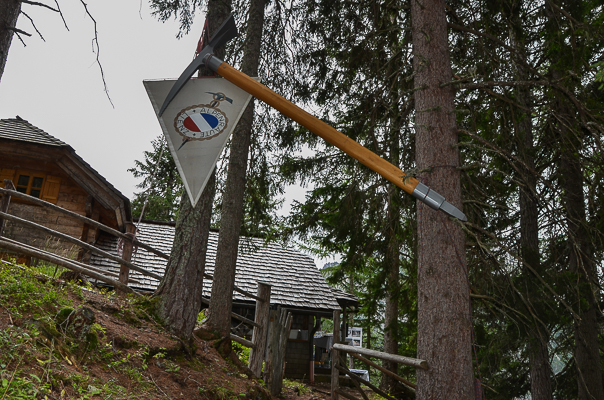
<point>20,129</point>
<point>295,280</point>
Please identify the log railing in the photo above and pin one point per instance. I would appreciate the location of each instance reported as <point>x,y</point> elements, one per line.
<point>89,221</point>
<point>355,352</point>
<point>22,248</point>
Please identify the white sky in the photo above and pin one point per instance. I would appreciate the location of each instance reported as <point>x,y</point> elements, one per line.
<point>56,84</point>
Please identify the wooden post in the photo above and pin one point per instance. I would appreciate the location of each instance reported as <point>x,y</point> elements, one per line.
<point>127,253</point>
<point>275,359</point>
<point>311,346</point>
<point>83,254</point>
<point>5,202</point>
<point>259,335</point>
<point>335,357</point>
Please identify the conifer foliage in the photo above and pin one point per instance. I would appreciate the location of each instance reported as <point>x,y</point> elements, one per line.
<point>511,132</point>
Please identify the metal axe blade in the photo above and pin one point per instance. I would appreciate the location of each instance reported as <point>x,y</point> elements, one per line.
<point>226,32</point>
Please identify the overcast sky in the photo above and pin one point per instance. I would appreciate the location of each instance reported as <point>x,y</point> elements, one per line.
<point>56,84</point>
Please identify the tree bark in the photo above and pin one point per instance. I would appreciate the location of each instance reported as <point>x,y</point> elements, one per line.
<point>391,262</point>
<point>232,204</point>
<point>538,337</point>
<point>9,13</point>
<point>181,289</point>
<point>587,350</point>
<point>444,320</point>
<point>570,139</point>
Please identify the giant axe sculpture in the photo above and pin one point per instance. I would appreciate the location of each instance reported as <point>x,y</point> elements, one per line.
<point>226,32</point>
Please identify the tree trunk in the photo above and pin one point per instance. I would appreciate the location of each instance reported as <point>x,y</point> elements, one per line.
<point>392,264</point>
<point>538,337</point>
<point>391,331</point>
<point>444,320</point>
<point>181,289</point>
<point>232,204</point>
<point>581,253</point>
<point>587,350</point>
<point>9,12</point>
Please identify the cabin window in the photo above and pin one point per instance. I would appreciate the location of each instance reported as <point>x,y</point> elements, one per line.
<point>35,184</point>
<point>30,184</point>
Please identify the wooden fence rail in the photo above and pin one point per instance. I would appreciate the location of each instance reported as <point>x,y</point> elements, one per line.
<point>355,351</point>
<point>413,362</point>
<point>79,243</point>
<point>87,220</point>
<point>15,246</point>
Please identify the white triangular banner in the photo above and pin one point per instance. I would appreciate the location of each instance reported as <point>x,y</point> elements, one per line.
<point>197,124</point>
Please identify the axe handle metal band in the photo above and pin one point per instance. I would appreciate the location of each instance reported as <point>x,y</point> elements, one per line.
<point>315,125</point>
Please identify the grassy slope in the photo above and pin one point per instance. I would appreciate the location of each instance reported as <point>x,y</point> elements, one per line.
<point>124,355</point>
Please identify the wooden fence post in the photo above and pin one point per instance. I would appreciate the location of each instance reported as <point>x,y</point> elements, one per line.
<point>275,359</point>
<point>335,357</point>
<point>5,202</point>
<point>259,335</point>
<point>127,252</point>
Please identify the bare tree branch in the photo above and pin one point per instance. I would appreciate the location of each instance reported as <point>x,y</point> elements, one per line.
<point>35,3</point>
<point>19,36</point>
<point>19,31</point>
<point>96,49</point>
<point>34,25</point>
<point>61,14</point>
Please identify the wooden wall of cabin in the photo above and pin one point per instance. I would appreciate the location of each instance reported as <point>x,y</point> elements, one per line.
<point>70,196</point>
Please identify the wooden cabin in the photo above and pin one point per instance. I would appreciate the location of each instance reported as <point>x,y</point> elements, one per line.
<point>296,285</point>
<point>43,166</point>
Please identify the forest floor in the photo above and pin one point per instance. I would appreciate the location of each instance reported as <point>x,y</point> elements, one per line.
<point>61,341</point>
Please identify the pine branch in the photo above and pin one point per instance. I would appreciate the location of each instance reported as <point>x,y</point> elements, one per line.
<point>481,85</point>
<point>465,226</point>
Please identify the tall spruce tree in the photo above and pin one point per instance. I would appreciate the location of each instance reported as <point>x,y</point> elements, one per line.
<point>233,200</point>
<point>181,288</point>
<point>567,122</point>
<point>161,184</point>
<point>444,322</point>
<point>355,67</point>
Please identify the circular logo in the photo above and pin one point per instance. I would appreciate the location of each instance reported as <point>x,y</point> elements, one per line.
<point>200,122</point>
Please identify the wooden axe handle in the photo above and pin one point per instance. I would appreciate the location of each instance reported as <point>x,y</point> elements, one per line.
<point>318,127</point>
